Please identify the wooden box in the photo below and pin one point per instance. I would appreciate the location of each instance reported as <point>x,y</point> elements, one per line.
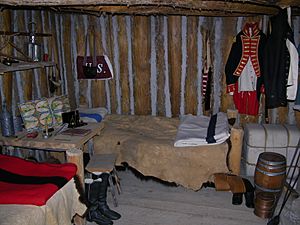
<point>259,138</point>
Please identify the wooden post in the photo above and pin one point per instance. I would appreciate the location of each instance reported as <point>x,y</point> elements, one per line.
<point>124,76</point>
<point>98,86</point>
<point>68,60</point>
<point>226,99</point>
<point>174,38</point>
<point>191,76</point>
<point>236,138</point>
<point>141,56</point>
<point>76,156</point>
<point>54,55</point>
<point>160,65</point>
<point>40,82</point>
<point>7,79</point>
<point>110,54</point>
<point>80,44</point>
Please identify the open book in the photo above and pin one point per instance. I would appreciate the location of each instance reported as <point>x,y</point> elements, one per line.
<point>76,132</point>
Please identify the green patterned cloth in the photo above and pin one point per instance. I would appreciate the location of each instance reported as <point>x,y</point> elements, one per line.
<point>37,114</point>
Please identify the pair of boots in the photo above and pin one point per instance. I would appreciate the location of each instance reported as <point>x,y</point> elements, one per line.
<point>99,211</point>
<point>237,198</point>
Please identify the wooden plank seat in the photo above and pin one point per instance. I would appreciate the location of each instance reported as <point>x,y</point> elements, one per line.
<point>105,163</point>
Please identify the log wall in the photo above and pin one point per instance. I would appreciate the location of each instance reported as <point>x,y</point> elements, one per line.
<point>157,61</point>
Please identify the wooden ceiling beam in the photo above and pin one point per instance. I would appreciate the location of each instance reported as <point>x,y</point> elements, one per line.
<point>191,3</point>
<point>167,7</point>
<point>174,3</point>
<point>217,10</point>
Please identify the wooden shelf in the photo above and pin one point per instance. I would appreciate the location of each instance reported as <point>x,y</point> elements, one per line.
<point>8,33</point>
<point>24,66</point>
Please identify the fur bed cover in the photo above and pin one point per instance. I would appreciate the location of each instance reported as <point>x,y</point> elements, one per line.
<point>146,143</point>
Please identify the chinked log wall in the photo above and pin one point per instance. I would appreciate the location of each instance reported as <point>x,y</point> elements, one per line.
<point>157,61</point>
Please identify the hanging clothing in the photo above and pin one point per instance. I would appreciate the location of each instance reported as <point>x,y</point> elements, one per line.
<point>292,83</point>
<point>281,74</point>
<point>248,78</point>
<point>244,74</point>
<point>297,101</point>
<point>207,78</point>
<point>206,88</point>
<point>246,101</point>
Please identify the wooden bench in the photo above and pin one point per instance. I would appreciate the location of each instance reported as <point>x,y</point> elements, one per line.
<point>105,163</point>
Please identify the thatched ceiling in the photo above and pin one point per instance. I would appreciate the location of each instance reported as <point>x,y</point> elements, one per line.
<point>169,7</point>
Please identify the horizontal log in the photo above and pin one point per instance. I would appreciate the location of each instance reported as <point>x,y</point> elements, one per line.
<point>217,10</point>
<point>175,3</point>
<point>175,7</point>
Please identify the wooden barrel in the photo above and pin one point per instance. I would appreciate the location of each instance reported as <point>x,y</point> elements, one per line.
<point>264,204</point>
<point>270,172</point>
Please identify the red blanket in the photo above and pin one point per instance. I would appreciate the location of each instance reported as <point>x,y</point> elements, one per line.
<point>33,194</point>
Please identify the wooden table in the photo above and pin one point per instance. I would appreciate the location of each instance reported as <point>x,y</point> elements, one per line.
<point>71,144</point>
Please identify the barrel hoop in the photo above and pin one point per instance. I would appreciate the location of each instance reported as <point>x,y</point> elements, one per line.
<point>270,174</point>
<point>272,167</point>
<point>271,162</point>
<point>267,189</point>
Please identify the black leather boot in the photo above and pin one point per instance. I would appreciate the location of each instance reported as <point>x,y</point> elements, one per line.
<point>94,215</point>
<point>102,204</point>
<point>237,198</point>
<point>249,194</point>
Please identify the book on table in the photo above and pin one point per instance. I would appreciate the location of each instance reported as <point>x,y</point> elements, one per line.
<point>76,132</point>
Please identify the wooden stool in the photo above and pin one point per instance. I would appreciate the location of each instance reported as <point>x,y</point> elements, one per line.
<point>105,163</point>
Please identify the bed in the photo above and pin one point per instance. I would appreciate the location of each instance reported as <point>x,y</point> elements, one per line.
<point>52,209</point>
<point>59,209</point>
<point>146,143</point>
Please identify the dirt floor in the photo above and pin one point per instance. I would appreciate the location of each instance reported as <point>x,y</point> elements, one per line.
<point>150,202</point>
